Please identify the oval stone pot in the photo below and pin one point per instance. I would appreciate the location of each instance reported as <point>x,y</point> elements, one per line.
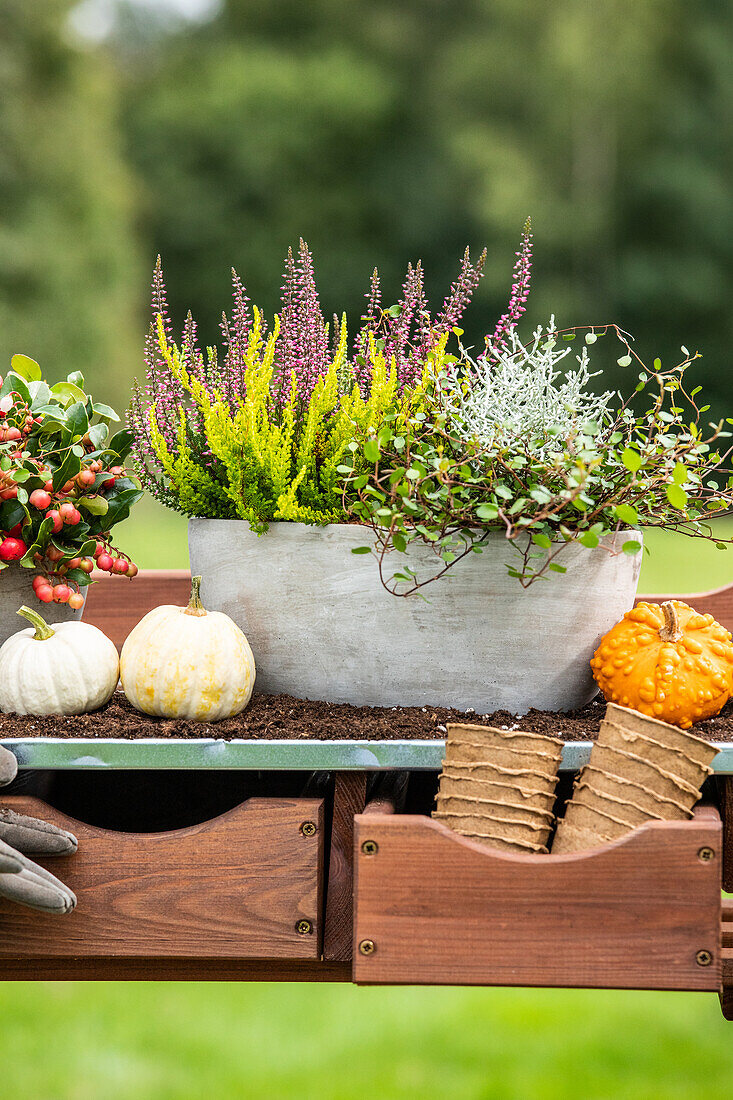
<point>16,589</point>
<point>321,625</point>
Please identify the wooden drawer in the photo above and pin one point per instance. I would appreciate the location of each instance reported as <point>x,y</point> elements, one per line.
<point>246,885</point>
<point>432,907</point>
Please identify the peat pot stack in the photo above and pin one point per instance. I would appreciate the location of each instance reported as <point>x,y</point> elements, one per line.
<point>640,770</point>
<point>498,786</point>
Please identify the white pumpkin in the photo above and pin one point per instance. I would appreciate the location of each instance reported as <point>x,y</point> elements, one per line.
<point>186,662</point>
<point>70,668</point>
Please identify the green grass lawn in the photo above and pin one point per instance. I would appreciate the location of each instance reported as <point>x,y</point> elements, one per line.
<point>105,1041</point>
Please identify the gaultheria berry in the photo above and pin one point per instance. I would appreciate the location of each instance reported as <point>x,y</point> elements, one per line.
<point>40,499</point>
<point>12,549</point>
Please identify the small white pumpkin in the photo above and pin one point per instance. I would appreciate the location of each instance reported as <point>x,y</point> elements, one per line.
<point>186,662</point>
<point>70,668</point>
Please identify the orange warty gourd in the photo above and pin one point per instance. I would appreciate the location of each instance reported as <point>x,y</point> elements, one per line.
<point>667,661</point>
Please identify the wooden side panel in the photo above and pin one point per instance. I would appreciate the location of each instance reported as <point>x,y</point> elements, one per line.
<point>235,887</point>
<point>725,790</point>
<point>432,907</point>
<point>117,604</point>
<point>348,800</point>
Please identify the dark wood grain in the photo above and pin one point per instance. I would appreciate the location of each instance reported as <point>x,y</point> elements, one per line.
<point>441,909</point>
<point>234,888</point>
<point>725,792</point>
<point>113,969</point>
<point>348,800</point>
<point>117,604</point>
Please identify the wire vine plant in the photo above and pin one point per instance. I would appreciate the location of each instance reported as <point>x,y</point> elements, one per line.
<point>450,472</point>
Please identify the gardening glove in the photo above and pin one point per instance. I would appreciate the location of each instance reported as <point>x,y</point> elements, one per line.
<point>21,880</point>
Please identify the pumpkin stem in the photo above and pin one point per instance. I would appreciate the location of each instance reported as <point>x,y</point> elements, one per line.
<point>43,630</point>
<point>195,607</point>
<point>671,631</point>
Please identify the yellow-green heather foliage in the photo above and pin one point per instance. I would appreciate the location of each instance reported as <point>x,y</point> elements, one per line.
<point>257,458</point>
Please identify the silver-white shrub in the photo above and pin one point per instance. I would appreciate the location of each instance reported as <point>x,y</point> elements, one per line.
<point>521,394</point>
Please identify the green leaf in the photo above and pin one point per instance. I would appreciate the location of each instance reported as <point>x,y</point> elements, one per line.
<point>626,514</point>
<point>98,434</point>
<point>487,511</point>
<point>680,473</point>
<point>53,412</point>
<point>371,450</point>
<point>557,568</point>
<point>77,421</point>
<point>540,539</point>
<point>40,393</point>
<point>361,549</point>
<point>67,393</point>
<point>676,496</point>
<point>122,441</point>
<point>97,505</point>
<point>589,539</point>
<point>631,459</point>
<point>69,468</point>
<point>119,507</point>
<point>104,410</point>
<point>14,382</point>
<point>399,542</point>
<point>26,367</point>
<point>42,537</point>
<point>76,378</point>
<point>631,547</point>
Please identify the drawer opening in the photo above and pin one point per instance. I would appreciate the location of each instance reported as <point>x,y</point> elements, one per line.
<point>414,793</point>
<point>141,801</point>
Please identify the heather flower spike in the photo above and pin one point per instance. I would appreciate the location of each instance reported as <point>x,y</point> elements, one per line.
<point>519,293</point>
<point>302,350</point>
<point>406,331</point>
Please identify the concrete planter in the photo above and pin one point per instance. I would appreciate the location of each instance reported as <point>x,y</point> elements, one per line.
<point>322,627</point>
<point>16,589</point>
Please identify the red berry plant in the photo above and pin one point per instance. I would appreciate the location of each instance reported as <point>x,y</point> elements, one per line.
<point>63,483</point>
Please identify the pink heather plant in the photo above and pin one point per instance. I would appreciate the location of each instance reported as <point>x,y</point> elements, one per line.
<point>406,330</point>
<point>302,348</point>
<point>519,293</point>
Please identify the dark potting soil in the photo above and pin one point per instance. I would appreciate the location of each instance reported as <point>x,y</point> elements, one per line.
<point>272,717</point>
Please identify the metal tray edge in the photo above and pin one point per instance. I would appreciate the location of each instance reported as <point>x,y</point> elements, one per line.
<point>67,753</point>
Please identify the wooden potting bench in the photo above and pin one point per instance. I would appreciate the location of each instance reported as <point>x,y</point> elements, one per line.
<point>334,885</point>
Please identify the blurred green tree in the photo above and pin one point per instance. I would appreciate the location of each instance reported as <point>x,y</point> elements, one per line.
<point>70,272</point>
<point>381,132</point>
<point>384,132</point>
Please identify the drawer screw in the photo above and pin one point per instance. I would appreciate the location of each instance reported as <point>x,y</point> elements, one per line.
<point>367,947</point>
<point>309,828</point>
<point>304,928</point>
<point>706,854</point>
<point>370,847</point>
<point>703,958</point>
